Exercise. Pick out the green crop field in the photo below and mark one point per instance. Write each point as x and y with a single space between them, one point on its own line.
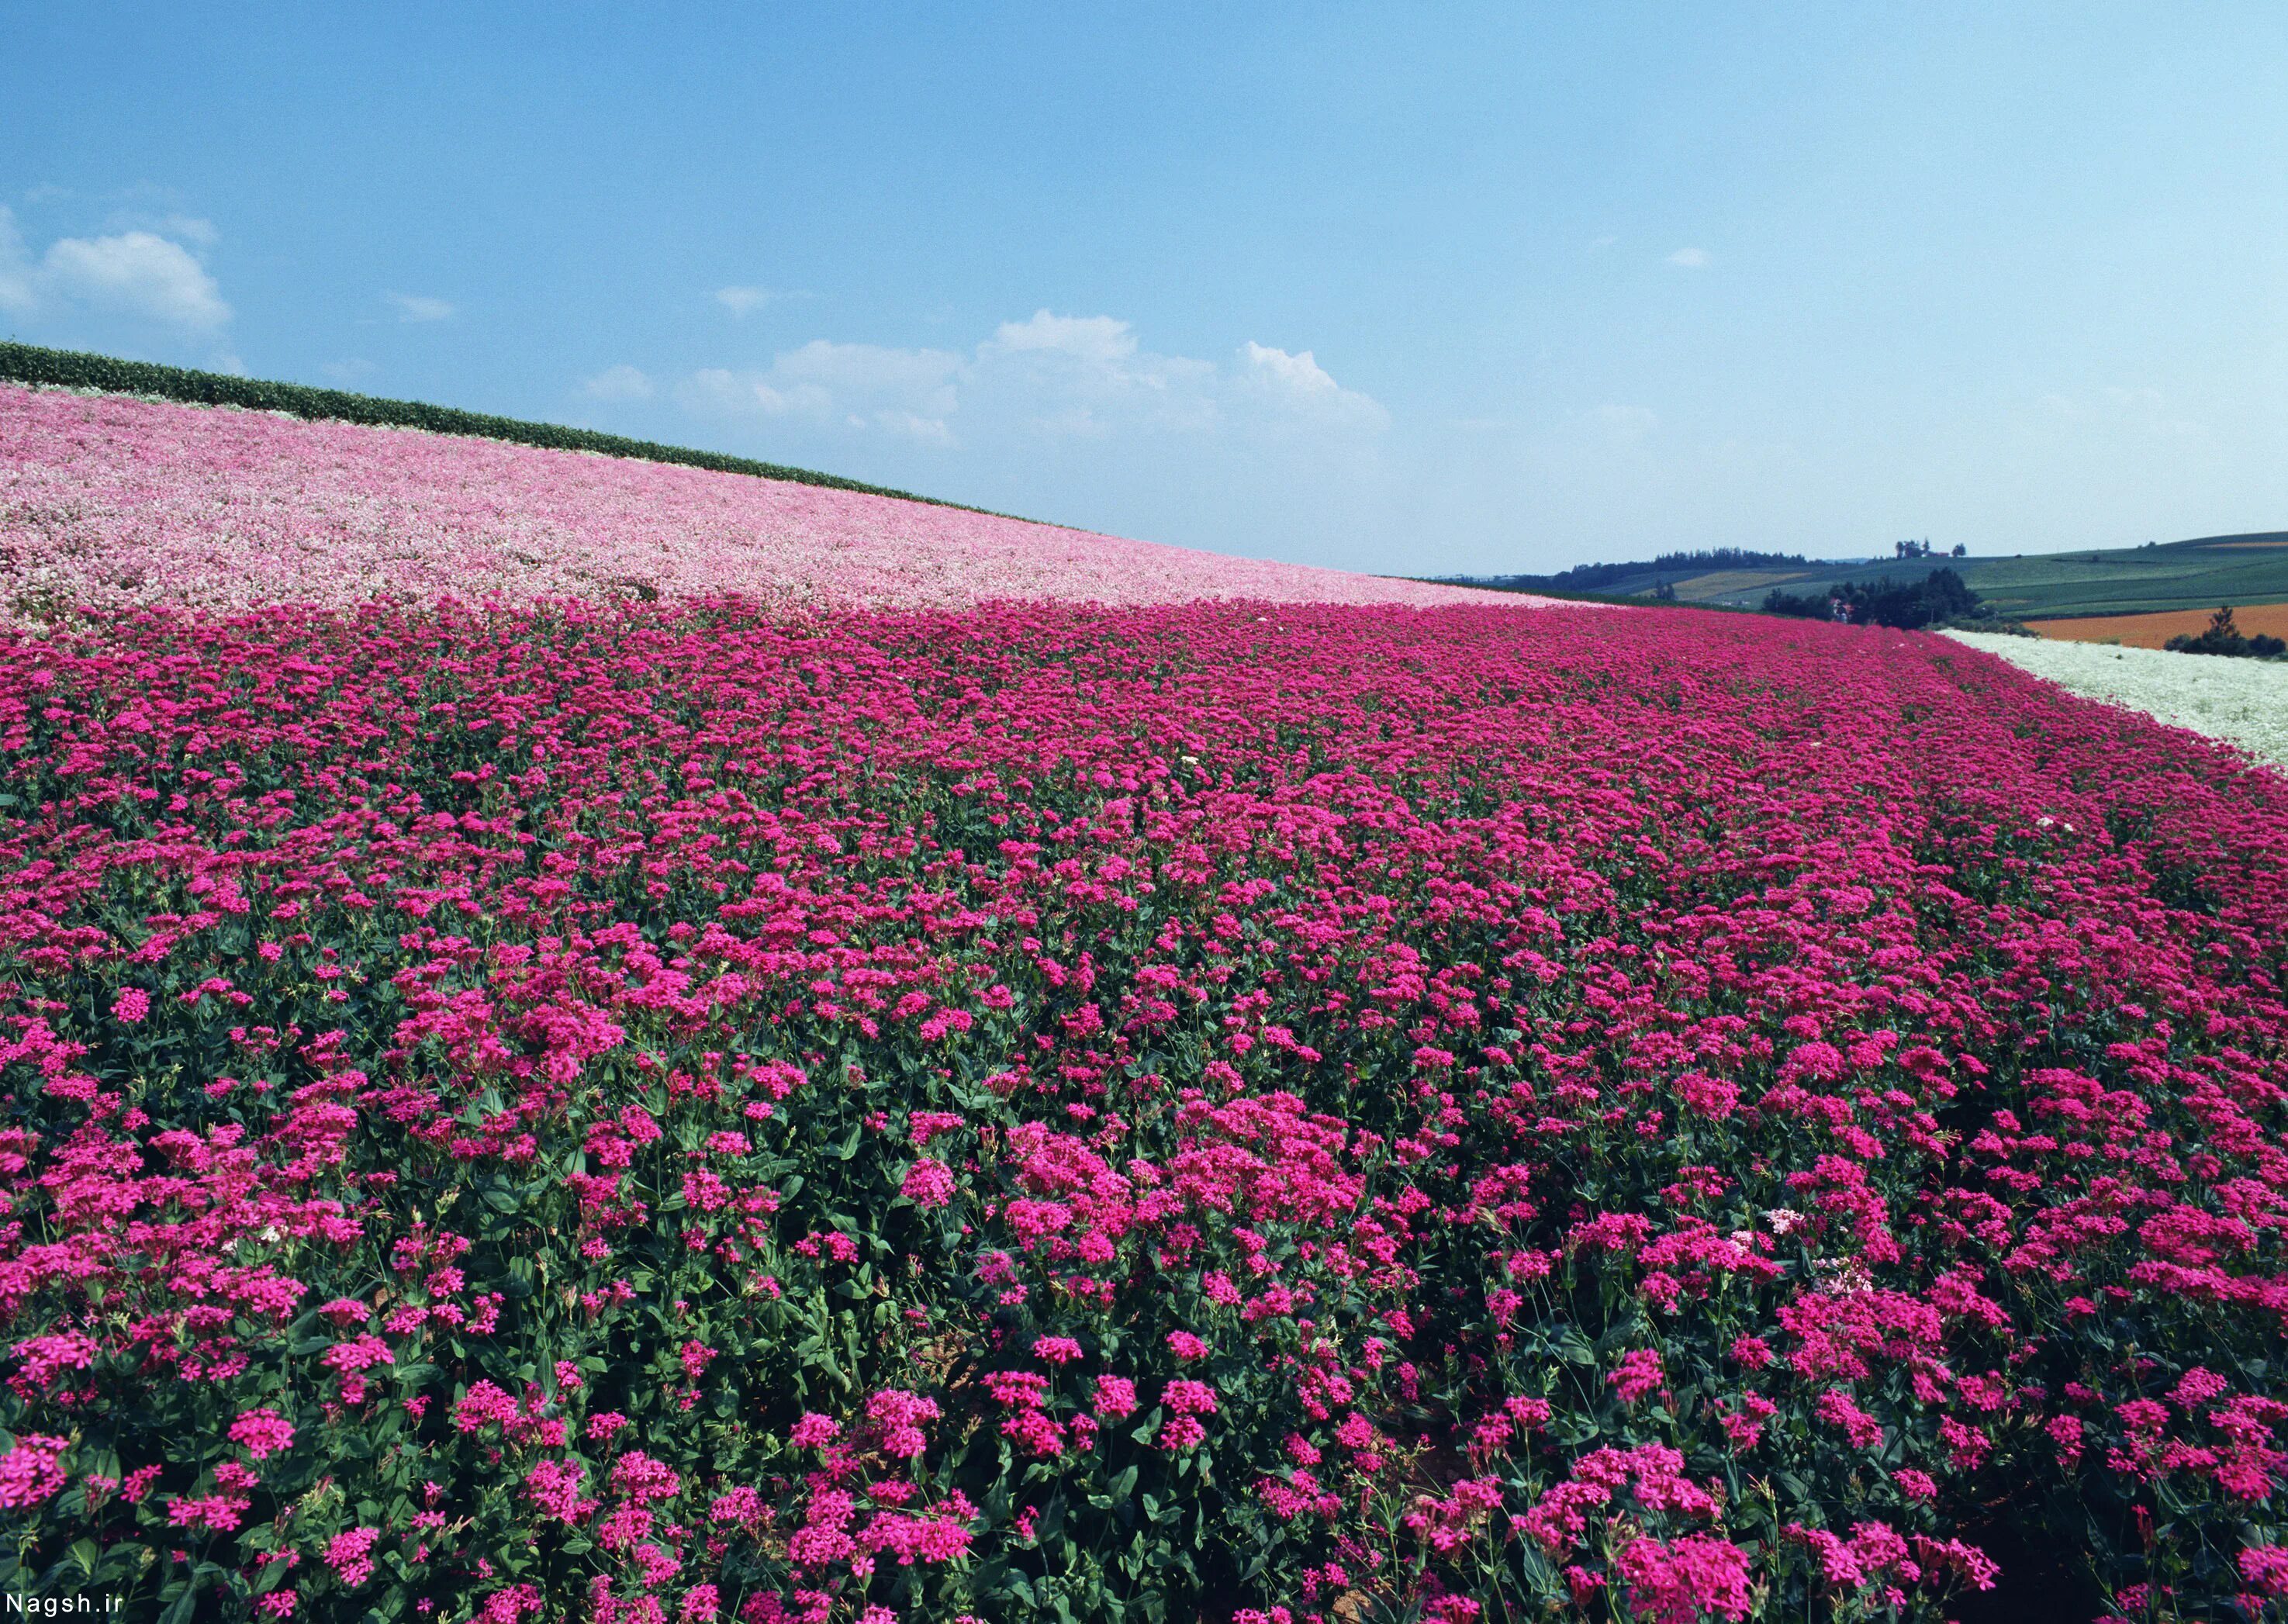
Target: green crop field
2193 574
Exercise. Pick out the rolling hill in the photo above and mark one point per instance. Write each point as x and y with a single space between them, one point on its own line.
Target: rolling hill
2199 573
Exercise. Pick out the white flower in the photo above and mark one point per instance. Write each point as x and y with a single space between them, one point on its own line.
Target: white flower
2243 703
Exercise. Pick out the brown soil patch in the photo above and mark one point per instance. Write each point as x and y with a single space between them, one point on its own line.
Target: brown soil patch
2153 631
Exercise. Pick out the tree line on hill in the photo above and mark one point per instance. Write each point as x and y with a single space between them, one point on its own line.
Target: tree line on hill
1941 599
1592 577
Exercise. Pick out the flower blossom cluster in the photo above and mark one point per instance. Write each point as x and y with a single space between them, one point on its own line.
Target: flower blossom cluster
110 501
666 1111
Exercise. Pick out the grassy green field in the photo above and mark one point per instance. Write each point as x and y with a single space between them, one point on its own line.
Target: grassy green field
2194 574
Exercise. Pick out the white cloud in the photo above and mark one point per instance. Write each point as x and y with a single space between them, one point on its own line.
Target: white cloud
191 229
1691 258
1050 377
621 383
418 307
1298 385
741 301
1099 339
140 272
901 392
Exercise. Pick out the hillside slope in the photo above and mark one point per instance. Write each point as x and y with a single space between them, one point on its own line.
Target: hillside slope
120 501
2199 573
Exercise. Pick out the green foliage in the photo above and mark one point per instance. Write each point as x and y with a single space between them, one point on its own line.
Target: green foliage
2223 636
1940 597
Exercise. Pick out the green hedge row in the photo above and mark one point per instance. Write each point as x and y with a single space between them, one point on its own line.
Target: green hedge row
26 363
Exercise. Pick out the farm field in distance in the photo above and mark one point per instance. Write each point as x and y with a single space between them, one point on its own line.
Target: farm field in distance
2154 630
611 1040
2174 576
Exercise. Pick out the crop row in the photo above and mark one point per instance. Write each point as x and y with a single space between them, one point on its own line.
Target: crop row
26 363
1303 1115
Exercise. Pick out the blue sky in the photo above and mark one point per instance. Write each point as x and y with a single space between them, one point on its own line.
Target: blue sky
1409 289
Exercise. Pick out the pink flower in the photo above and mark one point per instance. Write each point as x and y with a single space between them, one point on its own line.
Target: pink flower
554 1487
130 1005
930 1184
262 1432
1678 1581
1189 1398
29 1474
1639 1375
814 1430
348 1554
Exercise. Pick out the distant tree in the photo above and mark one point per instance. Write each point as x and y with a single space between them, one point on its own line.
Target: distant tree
2222 635
1798 606
1940 596
1595 577
1961 551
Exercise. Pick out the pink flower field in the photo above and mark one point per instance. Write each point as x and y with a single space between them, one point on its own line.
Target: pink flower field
114 502
959 1104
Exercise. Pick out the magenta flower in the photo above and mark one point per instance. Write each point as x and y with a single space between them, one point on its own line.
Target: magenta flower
262 1432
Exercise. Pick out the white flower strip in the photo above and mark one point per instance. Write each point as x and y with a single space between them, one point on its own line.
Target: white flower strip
2243 703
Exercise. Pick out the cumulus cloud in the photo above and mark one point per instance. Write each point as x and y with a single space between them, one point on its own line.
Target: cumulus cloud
140 272
621 383
135 272
1099 340
190 228
418 307
1297 386
1050 375
910 393
1691 258
741 301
